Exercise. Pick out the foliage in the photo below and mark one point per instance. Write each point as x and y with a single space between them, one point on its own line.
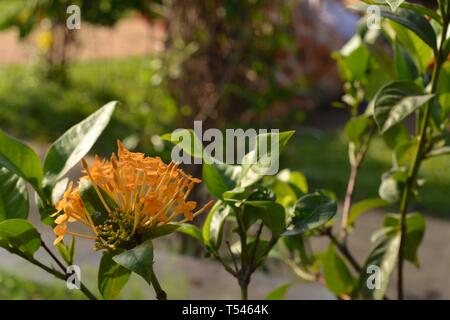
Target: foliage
394 83
391 75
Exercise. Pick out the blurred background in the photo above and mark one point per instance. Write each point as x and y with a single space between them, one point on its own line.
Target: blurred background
229 63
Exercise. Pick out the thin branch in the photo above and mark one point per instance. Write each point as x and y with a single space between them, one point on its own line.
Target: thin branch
342 247
352 183
233 258
50 253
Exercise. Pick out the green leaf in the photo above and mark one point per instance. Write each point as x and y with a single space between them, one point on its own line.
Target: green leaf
271 213
213 227
411 20
284 193
138 260
353 59
59 189
295 179
415 230
336 273
443 89
356 127
394 4
21 160
263 161
74 144
220 178
418 50
18 235
389 189
279 293
362 206
404 63
312 211
160 231
405 153
112 277
67 252
384 256
191 230
238 194
396 135
187 141
13 196
396 101
262 250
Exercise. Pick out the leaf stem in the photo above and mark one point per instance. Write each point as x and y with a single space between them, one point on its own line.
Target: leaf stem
160 293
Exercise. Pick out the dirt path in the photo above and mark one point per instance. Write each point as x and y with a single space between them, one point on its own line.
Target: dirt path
132 36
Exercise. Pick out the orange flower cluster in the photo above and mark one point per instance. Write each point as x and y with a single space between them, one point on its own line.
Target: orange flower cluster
138 193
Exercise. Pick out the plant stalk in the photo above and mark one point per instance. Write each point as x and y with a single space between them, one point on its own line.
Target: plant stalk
417 161
160 293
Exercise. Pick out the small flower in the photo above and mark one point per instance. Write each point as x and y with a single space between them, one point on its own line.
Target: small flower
137 194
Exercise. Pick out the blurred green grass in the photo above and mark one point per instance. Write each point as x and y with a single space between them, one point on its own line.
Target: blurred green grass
16 287
38 109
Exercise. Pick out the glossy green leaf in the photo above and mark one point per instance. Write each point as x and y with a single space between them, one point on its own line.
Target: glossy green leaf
411 20
295 179
13 196
356 127
443 89
396 101
404 63
271 213
284 193
363 206
353 59
18 235
67 252
138 260
213 227
394 4
220 178
20 159
419 51
312 211
187 141
264 159
389 189
415 231
160 231
75 143
191 230
405 152
382 258
279 293
336 273
112 277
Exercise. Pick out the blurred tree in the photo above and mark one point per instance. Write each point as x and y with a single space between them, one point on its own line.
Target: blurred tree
238 69
51 16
